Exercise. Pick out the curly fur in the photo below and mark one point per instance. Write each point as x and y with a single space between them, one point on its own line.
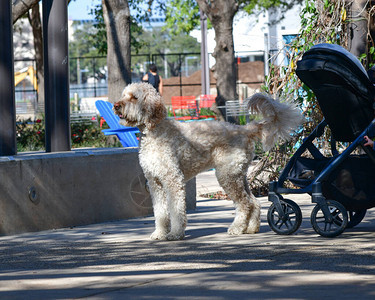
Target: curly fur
173 152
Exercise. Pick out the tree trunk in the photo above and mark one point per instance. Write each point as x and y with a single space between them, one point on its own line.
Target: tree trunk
221 14
358 27
35 22
116 15
21 7
371 42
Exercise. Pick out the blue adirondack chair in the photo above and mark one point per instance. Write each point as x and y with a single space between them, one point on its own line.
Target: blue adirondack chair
126 135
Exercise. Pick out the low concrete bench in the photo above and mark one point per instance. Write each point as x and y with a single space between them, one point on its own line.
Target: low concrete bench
41 191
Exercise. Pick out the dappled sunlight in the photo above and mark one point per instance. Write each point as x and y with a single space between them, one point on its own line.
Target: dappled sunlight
118 259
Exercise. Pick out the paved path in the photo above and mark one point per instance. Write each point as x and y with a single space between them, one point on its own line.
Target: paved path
118 261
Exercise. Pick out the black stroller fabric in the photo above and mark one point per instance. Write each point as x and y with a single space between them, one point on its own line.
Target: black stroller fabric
305 170
342 87
353 183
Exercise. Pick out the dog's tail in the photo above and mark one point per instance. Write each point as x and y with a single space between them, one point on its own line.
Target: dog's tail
279 119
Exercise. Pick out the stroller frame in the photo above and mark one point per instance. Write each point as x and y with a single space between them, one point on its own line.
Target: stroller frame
329 218
289 210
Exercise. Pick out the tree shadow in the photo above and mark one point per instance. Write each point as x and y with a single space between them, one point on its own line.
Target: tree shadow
117 259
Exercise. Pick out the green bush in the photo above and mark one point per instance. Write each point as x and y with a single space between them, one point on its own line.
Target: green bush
31 135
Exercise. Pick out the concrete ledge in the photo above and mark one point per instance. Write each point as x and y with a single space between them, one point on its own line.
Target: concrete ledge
40 191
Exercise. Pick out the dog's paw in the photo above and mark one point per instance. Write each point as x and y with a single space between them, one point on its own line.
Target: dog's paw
175 236
252 231
236 230
252 228
158 235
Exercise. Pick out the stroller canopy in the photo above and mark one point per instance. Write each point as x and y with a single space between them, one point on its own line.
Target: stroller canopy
343 89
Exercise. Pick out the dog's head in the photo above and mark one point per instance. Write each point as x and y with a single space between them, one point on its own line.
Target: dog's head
140 106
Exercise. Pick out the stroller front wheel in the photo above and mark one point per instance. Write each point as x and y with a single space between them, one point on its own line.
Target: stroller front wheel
333 227
287 224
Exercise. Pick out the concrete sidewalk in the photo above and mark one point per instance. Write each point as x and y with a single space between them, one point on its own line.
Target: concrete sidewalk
117 260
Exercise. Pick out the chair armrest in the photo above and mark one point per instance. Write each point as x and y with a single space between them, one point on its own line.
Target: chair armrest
119 130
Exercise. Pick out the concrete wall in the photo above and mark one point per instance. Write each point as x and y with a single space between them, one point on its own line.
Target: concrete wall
42 191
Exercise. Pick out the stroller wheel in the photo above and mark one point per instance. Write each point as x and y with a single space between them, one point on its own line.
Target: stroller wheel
329 228
291 220
355 217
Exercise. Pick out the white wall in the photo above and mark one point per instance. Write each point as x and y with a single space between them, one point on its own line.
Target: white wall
250 32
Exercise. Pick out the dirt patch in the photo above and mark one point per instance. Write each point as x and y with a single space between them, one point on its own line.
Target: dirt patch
215 195
220 195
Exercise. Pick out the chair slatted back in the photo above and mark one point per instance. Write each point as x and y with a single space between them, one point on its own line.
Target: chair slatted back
184 105
126 135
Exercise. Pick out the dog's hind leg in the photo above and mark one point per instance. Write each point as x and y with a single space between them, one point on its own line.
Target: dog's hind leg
254 221
247 209
177 204
160 206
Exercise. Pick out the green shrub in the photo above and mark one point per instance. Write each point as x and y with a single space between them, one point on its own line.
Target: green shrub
31 135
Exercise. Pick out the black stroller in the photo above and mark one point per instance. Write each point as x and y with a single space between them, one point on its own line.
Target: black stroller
342 185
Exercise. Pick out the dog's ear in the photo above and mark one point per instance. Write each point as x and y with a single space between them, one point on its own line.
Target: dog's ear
132 97
129 97
158 114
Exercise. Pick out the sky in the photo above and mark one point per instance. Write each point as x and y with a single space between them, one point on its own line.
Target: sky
80 9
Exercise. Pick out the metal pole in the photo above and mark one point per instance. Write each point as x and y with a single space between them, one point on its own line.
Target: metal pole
7 100
166 64
179 72
94 70
266 55
56 75
204 56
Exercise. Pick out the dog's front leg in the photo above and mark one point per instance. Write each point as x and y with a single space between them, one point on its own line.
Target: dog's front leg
177 203
160 206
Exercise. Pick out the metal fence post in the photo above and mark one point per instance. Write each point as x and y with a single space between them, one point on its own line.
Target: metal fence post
204 56
56 75
7 100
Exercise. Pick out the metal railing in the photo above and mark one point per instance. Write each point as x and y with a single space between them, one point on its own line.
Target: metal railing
88 76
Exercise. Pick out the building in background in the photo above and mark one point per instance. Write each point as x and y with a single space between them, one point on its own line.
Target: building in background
255 35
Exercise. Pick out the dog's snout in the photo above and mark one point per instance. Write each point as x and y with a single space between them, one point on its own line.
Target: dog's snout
116 106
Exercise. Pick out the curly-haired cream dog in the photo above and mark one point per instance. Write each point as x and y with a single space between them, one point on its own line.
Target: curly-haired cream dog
173 152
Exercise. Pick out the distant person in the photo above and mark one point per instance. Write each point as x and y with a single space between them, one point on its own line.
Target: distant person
153 78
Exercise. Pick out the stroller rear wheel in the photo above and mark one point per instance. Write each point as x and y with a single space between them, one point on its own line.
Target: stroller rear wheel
288 223
355 217
337 224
